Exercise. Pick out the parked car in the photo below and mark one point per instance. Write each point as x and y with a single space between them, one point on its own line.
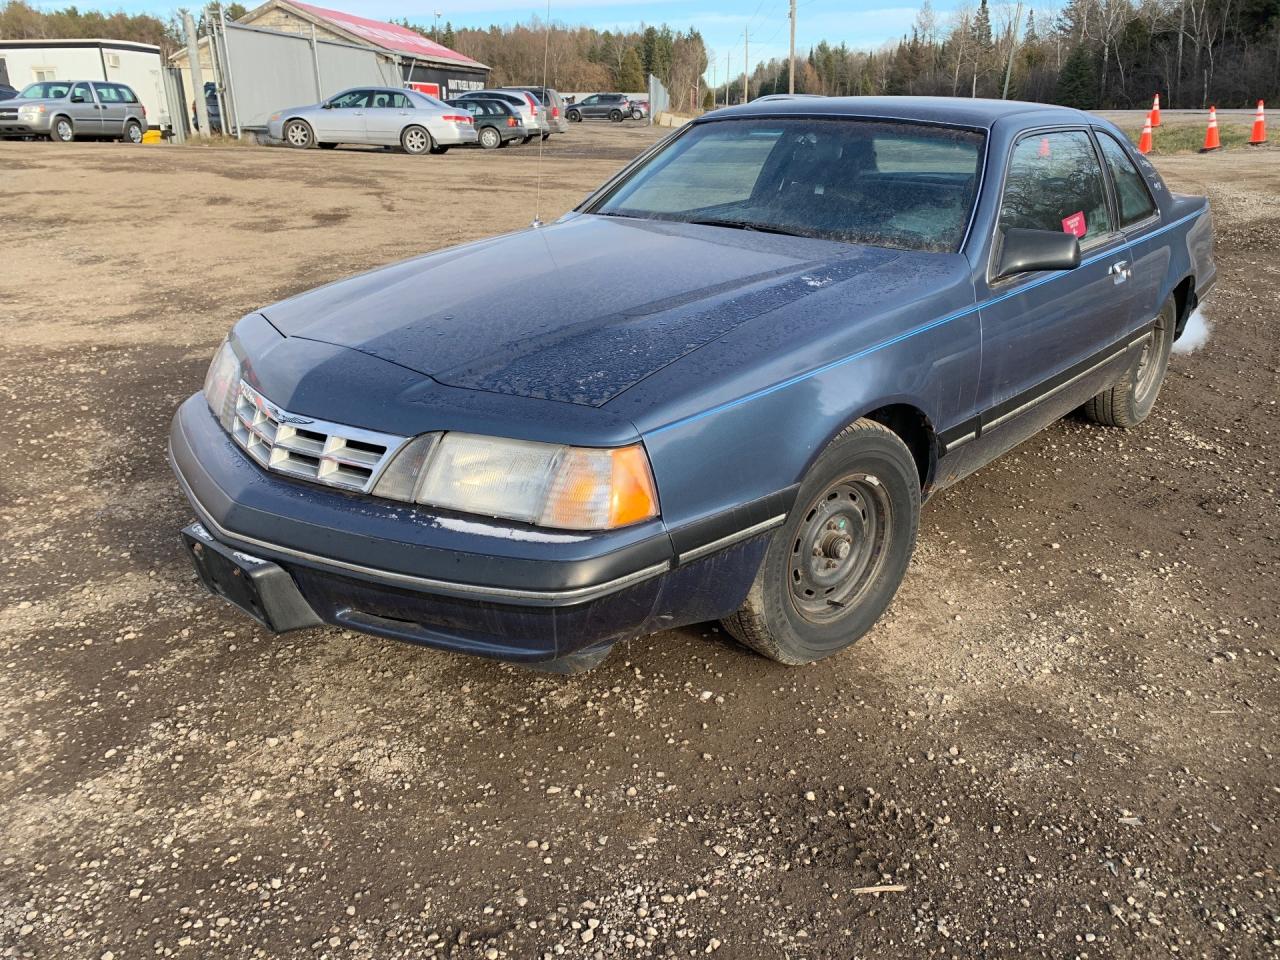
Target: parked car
212 105
868 301
553 107
7 92
601 106
525 103
386 116
496 122
71 110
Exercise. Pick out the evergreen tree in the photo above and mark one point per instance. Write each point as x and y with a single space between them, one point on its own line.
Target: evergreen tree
1031 36
1078 81
448 38
982 29
631 76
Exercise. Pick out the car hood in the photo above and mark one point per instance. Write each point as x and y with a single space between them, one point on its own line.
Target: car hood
576 312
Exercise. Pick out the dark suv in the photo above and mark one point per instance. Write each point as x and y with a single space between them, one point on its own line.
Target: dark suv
600 106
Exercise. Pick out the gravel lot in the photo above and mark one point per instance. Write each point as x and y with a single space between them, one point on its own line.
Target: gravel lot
1060 743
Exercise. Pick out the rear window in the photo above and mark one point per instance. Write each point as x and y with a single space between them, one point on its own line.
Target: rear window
903 185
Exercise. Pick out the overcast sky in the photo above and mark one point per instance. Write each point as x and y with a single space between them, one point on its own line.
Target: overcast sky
860 23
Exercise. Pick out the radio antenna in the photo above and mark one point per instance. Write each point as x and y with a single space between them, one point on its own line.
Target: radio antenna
546 55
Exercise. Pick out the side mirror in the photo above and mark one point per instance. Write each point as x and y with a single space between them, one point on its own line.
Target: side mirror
327 105
1022 251
77 98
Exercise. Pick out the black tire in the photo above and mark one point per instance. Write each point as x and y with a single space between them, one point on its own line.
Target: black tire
1128 401
615 116
574 116
415 140
546 137
299 135
327 146
132 132
528 138
62 130
490 138
821 585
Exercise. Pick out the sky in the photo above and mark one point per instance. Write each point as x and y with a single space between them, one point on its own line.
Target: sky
862 24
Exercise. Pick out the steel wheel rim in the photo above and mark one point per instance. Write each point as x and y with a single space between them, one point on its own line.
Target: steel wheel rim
415 141
297 135
64 130
839 548
1149 361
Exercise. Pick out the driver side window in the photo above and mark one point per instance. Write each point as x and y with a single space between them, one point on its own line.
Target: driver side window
80 93
1055 183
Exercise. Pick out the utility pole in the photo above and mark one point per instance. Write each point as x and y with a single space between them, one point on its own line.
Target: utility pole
791 73
197 75
728 75
1013 46
746 58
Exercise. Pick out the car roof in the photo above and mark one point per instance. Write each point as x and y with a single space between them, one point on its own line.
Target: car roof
959 111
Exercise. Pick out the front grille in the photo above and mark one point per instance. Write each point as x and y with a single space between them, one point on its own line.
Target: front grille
328 453
8 113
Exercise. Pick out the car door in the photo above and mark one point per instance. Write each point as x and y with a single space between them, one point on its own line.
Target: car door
590 106
111 108
1138 215
343 120
1049 339
82 106
386 114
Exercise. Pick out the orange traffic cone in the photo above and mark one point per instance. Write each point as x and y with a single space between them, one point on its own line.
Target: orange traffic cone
1144 141
1211 134
1155 111
1259 134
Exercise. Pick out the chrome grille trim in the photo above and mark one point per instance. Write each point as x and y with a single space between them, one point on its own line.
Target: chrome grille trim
331 454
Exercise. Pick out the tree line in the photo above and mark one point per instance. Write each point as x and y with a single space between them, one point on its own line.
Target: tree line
1091 54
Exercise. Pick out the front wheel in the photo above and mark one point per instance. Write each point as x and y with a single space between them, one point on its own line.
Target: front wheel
415 140
132 132
297 133
1128 401
490 138
574 116
62 131
834 566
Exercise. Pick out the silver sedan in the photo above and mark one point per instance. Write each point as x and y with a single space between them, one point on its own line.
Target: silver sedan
386 116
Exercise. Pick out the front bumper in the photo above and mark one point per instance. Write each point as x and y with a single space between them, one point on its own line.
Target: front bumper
459 584
14 127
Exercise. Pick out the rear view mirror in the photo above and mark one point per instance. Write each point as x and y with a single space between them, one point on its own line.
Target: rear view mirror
1026 250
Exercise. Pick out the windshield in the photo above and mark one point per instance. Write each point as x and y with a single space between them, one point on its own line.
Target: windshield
47 90
881 183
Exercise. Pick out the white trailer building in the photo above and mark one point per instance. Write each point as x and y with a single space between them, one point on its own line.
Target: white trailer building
120 61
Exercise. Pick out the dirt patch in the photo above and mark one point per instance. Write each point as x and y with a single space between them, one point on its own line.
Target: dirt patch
1059 743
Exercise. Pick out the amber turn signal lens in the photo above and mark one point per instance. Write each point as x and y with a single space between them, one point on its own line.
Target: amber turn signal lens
599 489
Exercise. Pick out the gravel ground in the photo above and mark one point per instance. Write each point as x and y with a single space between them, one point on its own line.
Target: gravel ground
1059 743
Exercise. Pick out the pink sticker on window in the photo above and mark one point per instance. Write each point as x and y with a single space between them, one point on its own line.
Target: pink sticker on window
1075 224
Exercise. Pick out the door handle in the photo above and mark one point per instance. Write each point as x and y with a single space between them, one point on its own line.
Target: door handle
1120 271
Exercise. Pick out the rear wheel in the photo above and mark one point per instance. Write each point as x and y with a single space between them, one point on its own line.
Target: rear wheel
834 566
62 131
490 138
297 134
132 132
616 116
1128 401
415 140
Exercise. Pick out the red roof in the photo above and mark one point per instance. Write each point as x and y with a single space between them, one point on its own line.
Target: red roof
388 35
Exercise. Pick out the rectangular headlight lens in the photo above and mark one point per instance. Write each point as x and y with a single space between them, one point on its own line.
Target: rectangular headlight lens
574 488
221 384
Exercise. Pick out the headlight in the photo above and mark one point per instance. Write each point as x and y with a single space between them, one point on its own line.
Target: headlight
551 485
222 384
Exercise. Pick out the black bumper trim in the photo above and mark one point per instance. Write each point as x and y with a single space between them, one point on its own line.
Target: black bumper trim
450 588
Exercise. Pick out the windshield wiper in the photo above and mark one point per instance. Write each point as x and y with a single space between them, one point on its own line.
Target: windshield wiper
745 225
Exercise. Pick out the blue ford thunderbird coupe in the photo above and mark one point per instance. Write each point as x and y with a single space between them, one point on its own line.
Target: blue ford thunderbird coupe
833 308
